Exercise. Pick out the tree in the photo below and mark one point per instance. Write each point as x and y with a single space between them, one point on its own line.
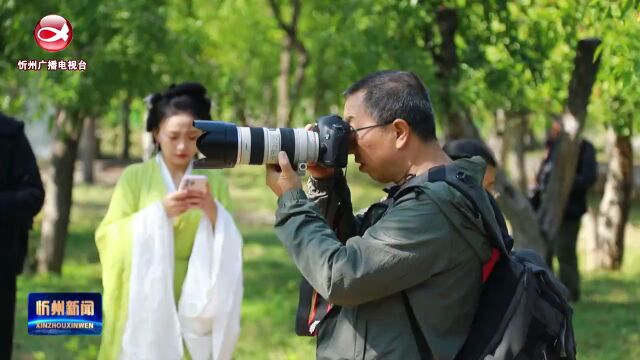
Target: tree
288 95
607 251
556 192
126 131
457 123
88 149
497 55
618 103
515 205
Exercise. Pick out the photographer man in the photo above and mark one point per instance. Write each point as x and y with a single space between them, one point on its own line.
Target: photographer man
403 279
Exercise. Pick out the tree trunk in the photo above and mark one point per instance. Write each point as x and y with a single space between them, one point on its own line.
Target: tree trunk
319 103
126 131
59 187
98 135
146 139
567 147
302 61
88 144
499 141
521 166
239 104
287 96
446 60
284 104
447 20
516 208
456 125
607 250
267 114
530 140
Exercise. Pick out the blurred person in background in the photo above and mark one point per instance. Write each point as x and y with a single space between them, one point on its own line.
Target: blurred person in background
21 198
171 257
468 148
563 245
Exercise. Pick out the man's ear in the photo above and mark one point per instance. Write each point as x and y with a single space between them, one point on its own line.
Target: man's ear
402 130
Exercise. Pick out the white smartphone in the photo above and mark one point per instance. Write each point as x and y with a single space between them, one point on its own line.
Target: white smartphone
194 182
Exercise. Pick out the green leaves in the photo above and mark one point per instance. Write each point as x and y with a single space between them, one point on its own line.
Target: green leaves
117 39
616 96
514 55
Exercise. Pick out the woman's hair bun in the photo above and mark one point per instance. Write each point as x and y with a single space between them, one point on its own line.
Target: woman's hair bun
188 88
154 99
188 97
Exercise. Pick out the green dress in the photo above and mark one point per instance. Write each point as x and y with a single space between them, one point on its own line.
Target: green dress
139 186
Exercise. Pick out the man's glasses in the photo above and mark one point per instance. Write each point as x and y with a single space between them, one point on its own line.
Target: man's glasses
354 130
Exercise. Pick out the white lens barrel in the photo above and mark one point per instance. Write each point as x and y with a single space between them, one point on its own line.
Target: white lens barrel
244 145
262 145
271 145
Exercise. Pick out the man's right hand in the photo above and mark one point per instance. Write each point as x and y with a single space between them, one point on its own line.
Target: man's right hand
317 171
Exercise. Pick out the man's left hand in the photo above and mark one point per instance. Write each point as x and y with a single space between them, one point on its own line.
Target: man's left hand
282 178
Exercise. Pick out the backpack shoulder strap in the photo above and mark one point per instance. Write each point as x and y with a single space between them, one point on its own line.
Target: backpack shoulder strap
493 222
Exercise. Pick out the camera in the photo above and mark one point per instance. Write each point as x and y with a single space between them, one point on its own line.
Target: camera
226 145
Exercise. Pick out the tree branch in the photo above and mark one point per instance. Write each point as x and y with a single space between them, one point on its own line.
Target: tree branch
275 8
296 14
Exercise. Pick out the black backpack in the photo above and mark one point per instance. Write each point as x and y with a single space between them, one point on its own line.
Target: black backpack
523 311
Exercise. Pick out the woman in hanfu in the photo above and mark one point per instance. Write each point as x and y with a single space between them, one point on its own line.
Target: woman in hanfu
171 258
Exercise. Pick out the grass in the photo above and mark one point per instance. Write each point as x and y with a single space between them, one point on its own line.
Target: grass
607 320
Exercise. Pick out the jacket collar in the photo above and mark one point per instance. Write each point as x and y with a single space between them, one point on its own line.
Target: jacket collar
474 167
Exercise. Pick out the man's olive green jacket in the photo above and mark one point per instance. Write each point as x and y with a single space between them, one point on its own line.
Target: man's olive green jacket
428 244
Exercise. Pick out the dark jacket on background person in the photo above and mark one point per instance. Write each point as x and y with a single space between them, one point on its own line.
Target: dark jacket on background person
428 244
586 175
21 193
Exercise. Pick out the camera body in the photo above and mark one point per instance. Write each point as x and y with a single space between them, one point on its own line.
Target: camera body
333 134
225 145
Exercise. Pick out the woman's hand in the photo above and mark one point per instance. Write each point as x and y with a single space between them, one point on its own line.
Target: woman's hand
203 201
175 203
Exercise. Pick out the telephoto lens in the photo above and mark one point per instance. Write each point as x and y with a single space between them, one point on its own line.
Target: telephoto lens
226 145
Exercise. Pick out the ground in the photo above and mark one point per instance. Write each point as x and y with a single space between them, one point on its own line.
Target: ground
606 321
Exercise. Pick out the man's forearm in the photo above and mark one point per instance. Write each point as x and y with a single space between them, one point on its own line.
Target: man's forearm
333 197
